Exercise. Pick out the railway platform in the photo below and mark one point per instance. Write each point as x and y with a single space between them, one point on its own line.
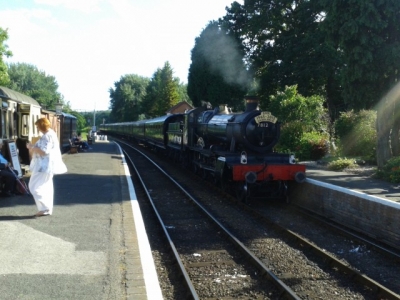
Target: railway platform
358 182
94 246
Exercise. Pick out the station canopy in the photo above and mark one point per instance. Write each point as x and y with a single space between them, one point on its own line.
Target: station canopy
9 94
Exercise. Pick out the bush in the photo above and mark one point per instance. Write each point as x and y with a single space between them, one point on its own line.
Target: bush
341 164
313 145
357 133
305 145
290 136
391 170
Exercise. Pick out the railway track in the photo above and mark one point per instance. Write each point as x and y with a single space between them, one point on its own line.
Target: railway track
269 247
211 265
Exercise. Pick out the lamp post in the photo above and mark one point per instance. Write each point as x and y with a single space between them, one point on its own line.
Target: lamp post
59 107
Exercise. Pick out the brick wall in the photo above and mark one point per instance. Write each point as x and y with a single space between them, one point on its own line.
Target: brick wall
373 216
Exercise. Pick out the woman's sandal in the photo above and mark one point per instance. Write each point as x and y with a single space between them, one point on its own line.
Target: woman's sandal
42 213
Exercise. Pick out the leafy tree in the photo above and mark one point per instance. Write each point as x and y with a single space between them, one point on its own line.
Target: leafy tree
368 34
4 78
285 45
162 93
81 121
217 73
357 133
182 92
126 98
28 80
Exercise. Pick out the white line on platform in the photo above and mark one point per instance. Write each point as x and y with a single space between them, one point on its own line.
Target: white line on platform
153 289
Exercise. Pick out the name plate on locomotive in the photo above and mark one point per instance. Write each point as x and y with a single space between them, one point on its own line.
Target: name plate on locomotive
265 116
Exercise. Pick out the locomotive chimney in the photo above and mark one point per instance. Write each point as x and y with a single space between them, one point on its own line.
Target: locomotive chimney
251 103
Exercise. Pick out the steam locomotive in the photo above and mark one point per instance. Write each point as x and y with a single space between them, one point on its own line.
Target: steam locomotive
235 150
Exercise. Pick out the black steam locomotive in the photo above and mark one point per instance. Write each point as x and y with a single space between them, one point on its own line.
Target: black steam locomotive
235 150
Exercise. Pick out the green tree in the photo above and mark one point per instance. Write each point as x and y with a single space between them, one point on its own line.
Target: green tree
217 73
182 92
368 34
4 78
357 133
285 45
81 121
126 98
162 92
29 80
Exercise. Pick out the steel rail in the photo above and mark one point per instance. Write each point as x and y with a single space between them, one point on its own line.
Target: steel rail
381 291
347 232
191 288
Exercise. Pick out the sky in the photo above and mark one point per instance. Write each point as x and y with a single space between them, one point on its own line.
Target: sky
88 45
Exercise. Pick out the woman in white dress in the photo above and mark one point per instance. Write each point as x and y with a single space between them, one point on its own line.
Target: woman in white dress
46 161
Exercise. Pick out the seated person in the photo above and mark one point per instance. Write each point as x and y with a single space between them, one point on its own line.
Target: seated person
78 141
7 177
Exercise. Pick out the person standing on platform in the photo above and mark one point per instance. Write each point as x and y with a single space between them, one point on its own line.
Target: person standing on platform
46 161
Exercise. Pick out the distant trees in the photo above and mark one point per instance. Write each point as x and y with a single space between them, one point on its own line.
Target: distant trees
126 98
162 93
80 121
29 80
135 97
4 78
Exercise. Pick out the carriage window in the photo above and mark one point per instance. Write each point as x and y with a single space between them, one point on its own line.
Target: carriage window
25 125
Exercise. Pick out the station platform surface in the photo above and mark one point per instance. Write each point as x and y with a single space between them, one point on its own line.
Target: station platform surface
94 245
362 183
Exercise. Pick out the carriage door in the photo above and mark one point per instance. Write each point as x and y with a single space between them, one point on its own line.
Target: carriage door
24 127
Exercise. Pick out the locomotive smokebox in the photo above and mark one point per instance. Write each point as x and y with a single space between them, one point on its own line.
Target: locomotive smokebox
251 103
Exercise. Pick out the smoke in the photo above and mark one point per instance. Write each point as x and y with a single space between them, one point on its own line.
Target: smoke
222 53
